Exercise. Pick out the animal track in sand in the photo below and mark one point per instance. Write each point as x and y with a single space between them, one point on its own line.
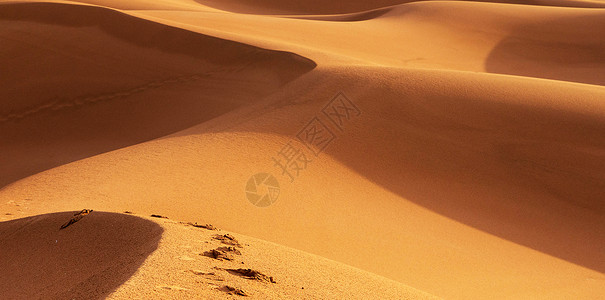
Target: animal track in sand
83 100
221 254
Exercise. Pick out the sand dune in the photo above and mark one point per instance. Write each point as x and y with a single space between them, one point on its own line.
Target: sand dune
471 164
78 93
488 185
86 260
466 36
333 7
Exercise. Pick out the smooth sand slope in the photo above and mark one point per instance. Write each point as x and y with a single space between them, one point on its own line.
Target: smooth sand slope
471 167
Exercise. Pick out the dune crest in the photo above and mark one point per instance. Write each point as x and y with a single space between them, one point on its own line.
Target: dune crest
317 7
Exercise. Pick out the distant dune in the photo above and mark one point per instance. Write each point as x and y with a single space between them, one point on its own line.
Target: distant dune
446 148
335 7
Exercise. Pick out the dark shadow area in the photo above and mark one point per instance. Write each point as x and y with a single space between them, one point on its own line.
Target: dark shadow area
569 49
143 33
87 260
85 80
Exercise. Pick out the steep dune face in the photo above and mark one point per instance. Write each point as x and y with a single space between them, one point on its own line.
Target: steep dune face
85 80
88 259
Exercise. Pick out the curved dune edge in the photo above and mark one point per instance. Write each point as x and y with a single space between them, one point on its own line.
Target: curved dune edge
87 260
533 41
97 69
317 7
189 273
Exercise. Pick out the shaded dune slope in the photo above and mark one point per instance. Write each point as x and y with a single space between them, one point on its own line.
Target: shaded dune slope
85 80
86 260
